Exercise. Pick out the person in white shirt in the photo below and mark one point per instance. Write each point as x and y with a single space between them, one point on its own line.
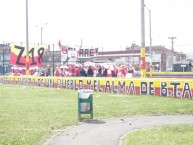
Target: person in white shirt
129 74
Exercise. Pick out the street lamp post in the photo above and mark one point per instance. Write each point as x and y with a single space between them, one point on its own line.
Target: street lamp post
42 32
150 40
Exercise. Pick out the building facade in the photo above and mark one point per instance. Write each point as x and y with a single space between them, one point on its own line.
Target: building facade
5 66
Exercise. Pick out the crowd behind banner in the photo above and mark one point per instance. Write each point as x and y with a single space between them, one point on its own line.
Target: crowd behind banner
82 70
96 71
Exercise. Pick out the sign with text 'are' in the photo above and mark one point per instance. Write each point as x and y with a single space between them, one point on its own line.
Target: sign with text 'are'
87 52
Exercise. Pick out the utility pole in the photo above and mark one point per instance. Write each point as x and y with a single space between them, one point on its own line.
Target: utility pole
41 29
133 49
143 69
102 54
27 42
81 44
3 58
172 51
53 60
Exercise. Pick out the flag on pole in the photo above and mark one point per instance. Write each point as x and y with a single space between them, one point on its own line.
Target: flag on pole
59 43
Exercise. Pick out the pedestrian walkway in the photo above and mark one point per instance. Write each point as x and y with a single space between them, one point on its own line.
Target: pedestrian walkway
109 131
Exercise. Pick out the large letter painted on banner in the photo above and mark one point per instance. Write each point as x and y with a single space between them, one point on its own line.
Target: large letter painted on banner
137 86
18 55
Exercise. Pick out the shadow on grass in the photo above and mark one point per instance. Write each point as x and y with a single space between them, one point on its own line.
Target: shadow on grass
92 121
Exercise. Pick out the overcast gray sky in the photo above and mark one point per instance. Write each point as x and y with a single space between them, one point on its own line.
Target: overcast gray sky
111 24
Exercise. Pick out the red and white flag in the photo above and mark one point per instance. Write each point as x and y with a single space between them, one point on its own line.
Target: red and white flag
64 49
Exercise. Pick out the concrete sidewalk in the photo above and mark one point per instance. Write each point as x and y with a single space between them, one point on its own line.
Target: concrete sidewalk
109 131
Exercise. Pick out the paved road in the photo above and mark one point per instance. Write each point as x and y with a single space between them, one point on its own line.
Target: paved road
109 131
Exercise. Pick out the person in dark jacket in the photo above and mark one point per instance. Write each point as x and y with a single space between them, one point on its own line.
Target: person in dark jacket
99 73
90 72
82 72
105 72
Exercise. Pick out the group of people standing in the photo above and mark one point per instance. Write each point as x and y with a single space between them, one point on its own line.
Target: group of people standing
95 71
99 70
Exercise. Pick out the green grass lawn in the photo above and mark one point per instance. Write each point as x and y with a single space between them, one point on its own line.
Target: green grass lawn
181 134
30 115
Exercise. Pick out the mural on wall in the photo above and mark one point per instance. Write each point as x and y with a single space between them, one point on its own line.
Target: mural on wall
153 87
